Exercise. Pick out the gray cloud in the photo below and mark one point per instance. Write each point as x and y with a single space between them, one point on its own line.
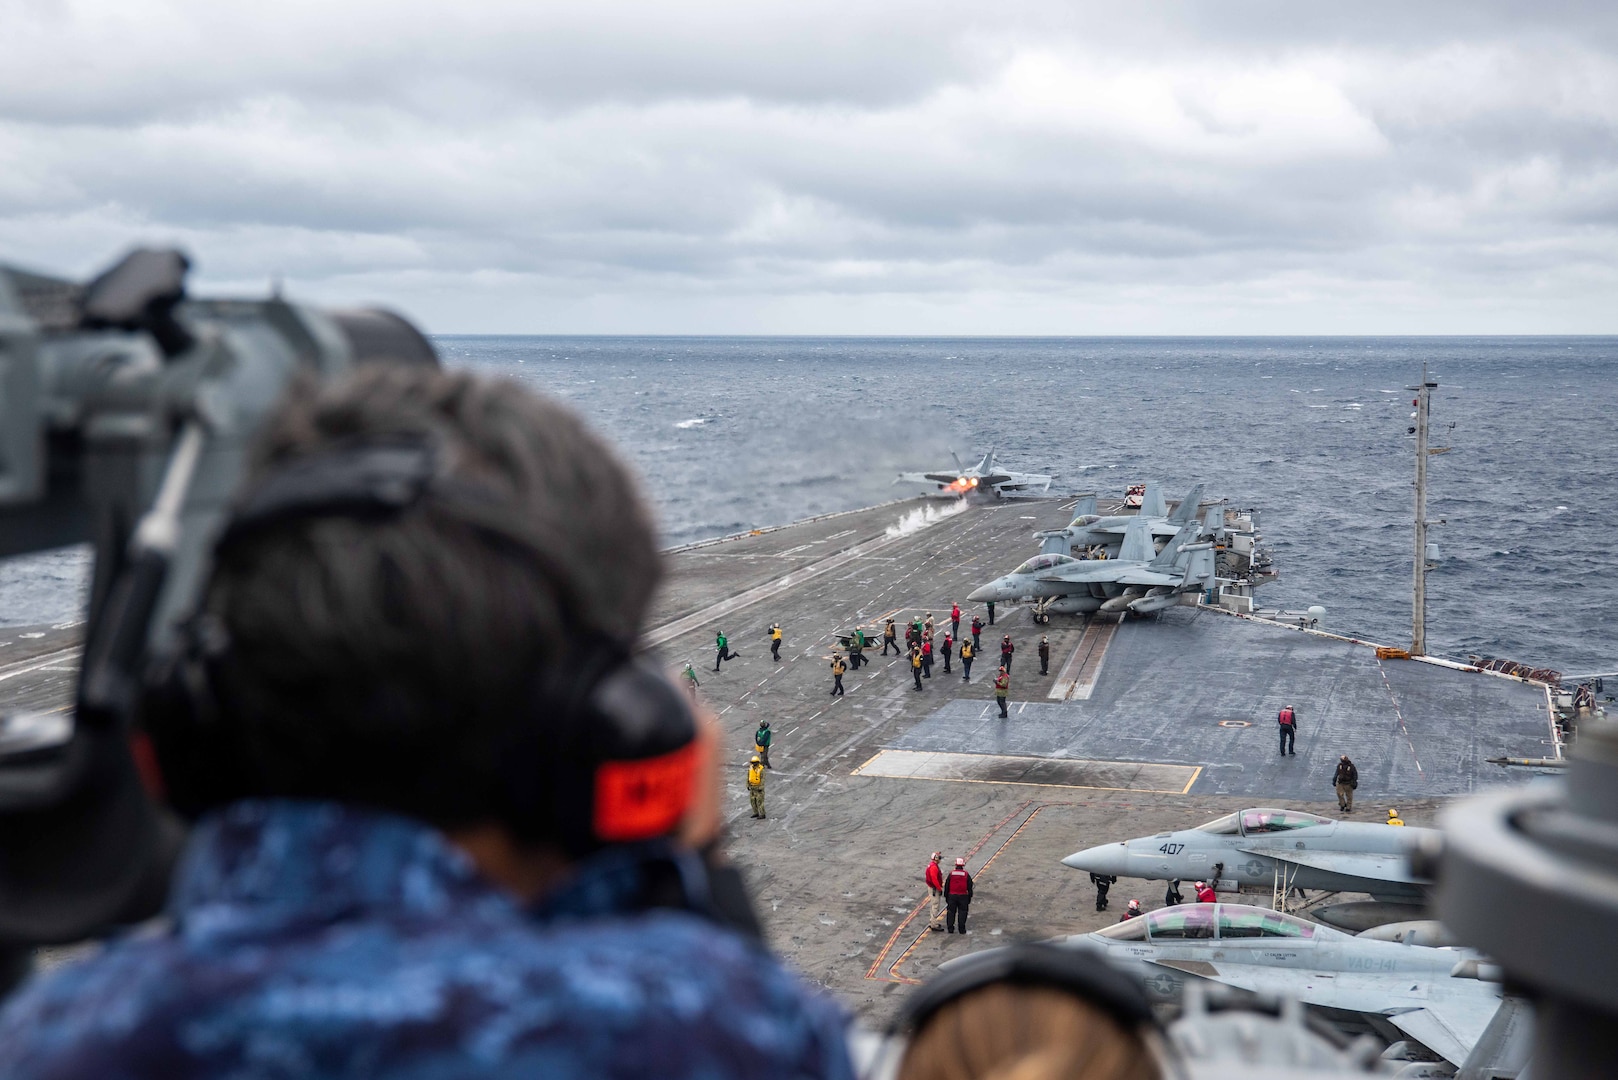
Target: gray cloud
837 167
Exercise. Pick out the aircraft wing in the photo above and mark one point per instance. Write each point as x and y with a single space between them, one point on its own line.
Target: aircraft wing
928 478
1154 578
1376 865
1449 1020
1020 480
1449 1028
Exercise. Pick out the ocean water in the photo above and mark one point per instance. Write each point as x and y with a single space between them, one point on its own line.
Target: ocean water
733 433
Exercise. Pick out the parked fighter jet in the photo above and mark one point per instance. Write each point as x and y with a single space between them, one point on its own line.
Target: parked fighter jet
1441 997
980 477
1267 848
1088 529
1138 580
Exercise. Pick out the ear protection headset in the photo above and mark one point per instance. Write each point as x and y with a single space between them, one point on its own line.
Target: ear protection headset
597 728
1084 975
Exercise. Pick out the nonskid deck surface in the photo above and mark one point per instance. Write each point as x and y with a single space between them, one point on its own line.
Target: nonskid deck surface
866 785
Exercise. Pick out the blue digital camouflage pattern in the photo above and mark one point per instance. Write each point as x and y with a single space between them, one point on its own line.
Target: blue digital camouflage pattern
313 940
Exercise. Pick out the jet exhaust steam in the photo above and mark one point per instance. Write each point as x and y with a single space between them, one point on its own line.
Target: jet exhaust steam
921 517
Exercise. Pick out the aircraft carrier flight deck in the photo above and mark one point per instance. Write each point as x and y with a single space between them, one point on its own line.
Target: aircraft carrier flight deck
1157 723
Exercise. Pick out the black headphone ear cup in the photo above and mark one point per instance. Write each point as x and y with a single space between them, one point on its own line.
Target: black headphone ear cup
607 755
181 716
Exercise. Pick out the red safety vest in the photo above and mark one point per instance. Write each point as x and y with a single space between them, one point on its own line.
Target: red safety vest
1205 895
1286 718
957 884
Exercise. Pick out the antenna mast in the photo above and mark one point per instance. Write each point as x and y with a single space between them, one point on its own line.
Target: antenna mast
1418 612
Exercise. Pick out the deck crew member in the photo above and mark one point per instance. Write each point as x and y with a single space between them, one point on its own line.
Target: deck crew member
890 639
967 653
1102 882
935 890
1345 780
1132 911
837 669
722 650
955 620
1002 687
1006 649
1287 720
1173 895
755 785
927 658
977 628
915 664
990 606
1205 893
856 649
927 627
761 742
957 896
690 675
1044 654
948 647
1393 816
775 642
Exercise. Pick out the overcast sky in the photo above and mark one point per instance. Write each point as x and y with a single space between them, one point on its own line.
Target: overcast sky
821 166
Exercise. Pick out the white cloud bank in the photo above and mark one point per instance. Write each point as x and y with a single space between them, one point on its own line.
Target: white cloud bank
926 168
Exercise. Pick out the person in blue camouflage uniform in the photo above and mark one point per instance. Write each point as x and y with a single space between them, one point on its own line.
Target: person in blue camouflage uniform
313 940
333 937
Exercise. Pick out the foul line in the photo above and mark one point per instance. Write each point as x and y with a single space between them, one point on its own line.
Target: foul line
871 972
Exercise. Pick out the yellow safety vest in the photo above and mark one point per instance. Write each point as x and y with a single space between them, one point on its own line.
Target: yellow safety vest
755 776
775 634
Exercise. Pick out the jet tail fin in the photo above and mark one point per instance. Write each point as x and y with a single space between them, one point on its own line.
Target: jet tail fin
1086 506
1171 556
1137 545
1187 510
1054 543
1152 503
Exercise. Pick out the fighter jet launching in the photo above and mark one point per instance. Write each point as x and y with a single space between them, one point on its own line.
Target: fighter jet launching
983 476
1442 997
1088 530
1139 580
1269 848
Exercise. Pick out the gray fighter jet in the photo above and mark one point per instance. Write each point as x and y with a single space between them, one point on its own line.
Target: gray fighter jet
1139 580
964 479
1442 997
1088 530
1266 848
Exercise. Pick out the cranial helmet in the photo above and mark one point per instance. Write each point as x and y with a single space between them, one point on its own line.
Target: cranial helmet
960 862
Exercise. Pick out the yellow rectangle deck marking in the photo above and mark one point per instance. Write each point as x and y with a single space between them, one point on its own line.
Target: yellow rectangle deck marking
1032 771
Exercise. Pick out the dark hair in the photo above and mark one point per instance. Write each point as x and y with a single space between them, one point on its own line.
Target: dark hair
389 660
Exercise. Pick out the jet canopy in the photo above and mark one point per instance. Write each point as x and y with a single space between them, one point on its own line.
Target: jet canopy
1207 921
1262 820
1043 562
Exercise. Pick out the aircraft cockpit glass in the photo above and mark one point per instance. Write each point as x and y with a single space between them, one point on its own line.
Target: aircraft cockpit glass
1181 921
1132 930
1262 924
1043 562
1268 821
1229 825
1084 521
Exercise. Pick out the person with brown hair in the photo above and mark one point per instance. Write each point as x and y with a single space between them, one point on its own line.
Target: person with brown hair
1030 1013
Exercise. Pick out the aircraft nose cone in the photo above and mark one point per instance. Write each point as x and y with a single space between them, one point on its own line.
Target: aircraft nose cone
1106 859
984 593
